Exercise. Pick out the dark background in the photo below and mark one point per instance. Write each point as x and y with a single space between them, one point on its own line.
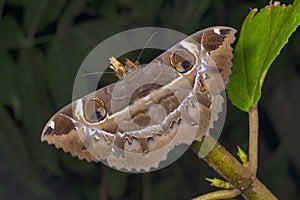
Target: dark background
42 44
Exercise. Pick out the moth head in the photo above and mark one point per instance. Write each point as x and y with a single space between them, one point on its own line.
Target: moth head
182 61
94 110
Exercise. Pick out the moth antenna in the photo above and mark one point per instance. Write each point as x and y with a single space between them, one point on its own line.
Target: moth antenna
95 73
150 38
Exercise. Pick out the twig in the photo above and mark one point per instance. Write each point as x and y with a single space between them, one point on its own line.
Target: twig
232 170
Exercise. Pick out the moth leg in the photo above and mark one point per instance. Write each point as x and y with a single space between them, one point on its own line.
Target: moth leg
131 65
121 70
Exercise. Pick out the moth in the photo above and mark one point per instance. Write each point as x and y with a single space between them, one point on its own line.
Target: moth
135 123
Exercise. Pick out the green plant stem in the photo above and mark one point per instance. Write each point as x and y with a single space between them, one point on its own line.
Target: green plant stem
232 170
221 194
253 139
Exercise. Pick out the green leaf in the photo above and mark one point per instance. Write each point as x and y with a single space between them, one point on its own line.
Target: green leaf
9 94
66 53
15 154
52 11
117 184
33 98
15 2
107 9
163 188
180 13
11 34
39 13
76 166
147 9
33 11
64 57
262 37
276 166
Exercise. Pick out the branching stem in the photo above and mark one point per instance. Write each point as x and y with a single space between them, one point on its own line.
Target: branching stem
241 177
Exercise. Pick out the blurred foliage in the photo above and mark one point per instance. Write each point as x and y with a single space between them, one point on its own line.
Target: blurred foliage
42 44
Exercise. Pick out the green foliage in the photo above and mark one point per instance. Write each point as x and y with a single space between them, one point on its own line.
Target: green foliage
261 39
11 34
277 165
18 159
116 184
167 186
7 73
